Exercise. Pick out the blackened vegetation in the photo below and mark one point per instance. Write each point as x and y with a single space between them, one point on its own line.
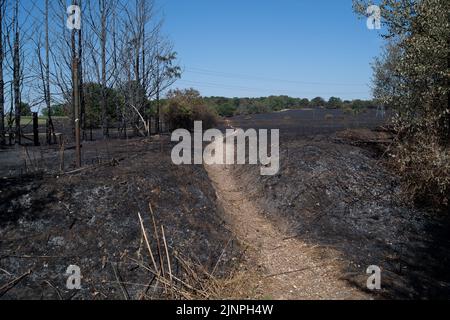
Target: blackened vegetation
16 200
335 192
90 219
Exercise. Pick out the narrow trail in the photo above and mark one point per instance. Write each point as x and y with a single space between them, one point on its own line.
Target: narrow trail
291 269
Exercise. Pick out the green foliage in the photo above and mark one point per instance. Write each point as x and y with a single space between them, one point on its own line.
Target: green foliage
318 102
58 110
303 103
93 98
412 77
334 102
183 107
228 107
25 109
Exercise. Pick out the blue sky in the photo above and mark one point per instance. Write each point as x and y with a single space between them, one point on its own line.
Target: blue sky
301 48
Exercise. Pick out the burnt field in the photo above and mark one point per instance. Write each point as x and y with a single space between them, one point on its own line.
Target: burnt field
295 123
334 196
336 192
89 218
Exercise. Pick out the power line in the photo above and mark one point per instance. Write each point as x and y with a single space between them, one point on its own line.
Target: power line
263 78
253 89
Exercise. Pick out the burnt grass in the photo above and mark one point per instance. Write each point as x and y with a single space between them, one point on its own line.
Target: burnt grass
90 219
333 191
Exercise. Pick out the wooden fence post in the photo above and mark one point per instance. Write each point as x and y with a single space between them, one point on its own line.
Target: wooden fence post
36 129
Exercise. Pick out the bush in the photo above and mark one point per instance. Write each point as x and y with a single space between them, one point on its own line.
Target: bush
412 78
424 164
183 107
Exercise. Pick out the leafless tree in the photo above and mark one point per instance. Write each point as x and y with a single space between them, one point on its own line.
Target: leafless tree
100 45
76 92
119 48
2 84
147 61
165 74
16 73
44 70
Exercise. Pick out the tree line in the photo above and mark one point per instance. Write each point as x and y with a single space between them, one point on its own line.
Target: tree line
222 106
235 106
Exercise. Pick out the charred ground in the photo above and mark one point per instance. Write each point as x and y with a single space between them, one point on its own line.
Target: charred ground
334 192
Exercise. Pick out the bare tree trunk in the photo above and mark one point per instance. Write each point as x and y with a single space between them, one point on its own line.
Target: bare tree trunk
51 128
157 120
76 106
16 74
144 76
103 53
2 84
76 98
119 113
11 109
81 82
158 81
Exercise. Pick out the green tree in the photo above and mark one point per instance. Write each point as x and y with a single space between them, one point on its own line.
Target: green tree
334 102
183 107
303 103
94 106
318 102
412 76
58 110
25 110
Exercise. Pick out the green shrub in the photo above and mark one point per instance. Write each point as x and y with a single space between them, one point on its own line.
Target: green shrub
424 165
183 107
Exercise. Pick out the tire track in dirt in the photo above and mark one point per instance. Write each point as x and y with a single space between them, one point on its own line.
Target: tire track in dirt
290 268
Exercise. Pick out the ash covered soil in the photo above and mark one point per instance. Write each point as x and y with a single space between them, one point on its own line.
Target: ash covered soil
90 219
334 200
335 192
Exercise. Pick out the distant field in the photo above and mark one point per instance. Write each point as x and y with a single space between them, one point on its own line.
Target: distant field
309 121
28 120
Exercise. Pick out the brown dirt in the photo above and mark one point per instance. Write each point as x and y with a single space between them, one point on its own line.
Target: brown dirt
289 268
342 210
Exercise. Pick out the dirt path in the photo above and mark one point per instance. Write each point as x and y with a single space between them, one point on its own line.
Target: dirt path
291 269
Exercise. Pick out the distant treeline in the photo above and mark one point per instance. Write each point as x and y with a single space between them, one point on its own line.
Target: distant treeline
222 106
234 106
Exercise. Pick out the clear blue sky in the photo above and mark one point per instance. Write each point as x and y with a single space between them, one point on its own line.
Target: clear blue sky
301 48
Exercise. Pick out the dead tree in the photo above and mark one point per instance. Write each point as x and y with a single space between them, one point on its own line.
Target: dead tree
166 73
47 93
61 55
2 84
103 16
16 75
76 95
81 80
147 61
100 16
